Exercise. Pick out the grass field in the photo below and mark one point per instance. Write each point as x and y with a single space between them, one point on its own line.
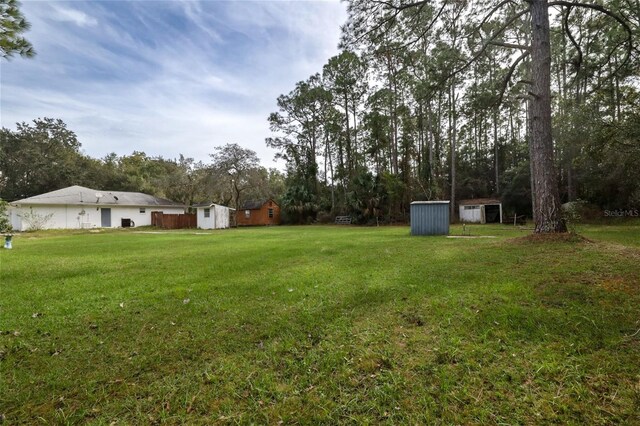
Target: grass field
321 325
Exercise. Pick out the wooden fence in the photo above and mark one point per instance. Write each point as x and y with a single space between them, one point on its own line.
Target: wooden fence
174 221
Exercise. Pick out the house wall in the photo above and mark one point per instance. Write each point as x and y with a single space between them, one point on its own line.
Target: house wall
69 217
471 215
259 217
218 217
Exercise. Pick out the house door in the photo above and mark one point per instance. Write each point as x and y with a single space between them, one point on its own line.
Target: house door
105 218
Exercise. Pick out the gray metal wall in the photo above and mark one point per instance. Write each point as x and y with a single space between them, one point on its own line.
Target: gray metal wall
429 219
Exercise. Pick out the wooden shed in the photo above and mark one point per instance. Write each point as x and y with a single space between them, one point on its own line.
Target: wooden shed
259 212
481 210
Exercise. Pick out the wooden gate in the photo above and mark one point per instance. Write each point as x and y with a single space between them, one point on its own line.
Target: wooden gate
173 221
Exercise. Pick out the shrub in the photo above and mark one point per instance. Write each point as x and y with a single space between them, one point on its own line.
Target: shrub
35 221
5 223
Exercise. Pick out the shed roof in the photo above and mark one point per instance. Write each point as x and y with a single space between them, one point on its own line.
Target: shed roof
210 204
431 202
480 201
256 204
79 195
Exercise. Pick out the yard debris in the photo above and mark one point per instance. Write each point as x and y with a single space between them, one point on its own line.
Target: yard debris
185 301
632 335
36 315
59 403
93 326
122 305
290 290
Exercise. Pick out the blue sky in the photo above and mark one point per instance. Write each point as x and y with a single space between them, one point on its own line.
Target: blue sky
166 77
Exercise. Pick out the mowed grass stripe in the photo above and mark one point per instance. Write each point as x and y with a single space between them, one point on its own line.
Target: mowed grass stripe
318 325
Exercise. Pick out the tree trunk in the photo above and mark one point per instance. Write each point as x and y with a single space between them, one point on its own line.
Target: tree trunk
453 124
496 148
348 135
548 214
333 181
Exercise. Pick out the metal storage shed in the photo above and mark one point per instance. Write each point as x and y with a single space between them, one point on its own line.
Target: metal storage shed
430 218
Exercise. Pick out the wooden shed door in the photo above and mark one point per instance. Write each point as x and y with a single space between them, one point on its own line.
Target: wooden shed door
105 218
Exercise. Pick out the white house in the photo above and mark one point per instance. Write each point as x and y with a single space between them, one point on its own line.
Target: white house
78 207
481 210
213 216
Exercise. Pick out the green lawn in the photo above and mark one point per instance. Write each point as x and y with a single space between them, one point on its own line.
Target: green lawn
320 325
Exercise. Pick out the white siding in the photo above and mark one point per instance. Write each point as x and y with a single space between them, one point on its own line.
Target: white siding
476 214
16 222
471 215
218 217
70 217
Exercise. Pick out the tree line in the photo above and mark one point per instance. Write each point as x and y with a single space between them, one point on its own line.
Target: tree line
533 101
45 155
449 100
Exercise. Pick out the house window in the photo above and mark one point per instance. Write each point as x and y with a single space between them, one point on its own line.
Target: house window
207 212
143 210
270 213
471 207
247 214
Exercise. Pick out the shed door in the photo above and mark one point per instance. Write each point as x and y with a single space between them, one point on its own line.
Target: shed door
105 218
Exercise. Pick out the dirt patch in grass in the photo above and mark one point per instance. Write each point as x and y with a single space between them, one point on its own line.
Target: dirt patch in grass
620 250
628 285
551 238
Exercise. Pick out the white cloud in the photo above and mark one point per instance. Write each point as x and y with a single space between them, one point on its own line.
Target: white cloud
77 17
167 78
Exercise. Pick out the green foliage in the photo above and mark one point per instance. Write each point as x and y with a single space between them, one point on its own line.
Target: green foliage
45 156
236 171
571 215
5 223
12 24
414 102
320 325
39 157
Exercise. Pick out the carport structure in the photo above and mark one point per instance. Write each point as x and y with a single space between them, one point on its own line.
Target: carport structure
481 210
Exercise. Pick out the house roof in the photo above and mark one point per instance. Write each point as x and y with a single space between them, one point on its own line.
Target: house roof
479 201
79 195
256 204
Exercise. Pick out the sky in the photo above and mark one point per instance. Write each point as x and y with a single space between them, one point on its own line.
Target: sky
166 77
